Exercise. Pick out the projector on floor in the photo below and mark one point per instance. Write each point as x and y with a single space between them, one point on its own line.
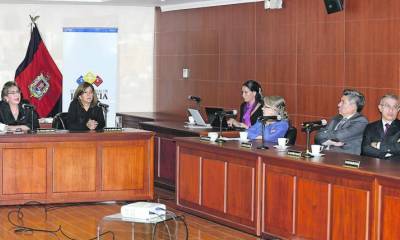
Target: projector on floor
143 210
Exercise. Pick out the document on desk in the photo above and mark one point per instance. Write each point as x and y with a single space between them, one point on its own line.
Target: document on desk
197 126
230 139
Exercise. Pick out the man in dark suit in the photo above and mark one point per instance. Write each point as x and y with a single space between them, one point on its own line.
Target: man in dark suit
345 131
381 138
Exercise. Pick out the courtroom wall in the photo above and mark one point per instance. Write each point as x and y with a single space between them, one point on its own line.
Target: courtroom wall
299 52
135 42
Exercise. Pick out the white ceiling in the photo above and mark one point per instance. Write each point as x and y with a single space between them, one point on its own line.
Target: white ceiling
166 5
145 3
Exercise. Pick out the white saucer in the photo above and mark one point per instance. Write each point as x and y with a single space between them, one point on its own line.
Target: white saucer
317 155
279 148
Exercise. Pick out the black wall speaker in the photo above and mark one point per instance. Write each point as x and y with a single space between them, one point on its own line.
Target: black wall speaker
333 6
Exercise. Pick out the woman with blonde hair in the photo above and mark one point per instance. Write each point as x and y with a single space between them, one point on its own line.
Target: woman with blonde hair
273 106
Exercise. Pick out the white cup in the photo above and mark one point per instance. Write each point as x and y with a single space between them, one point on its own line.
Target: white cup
213 136
118 121
3 127
282 142
316 149
191 120
243 136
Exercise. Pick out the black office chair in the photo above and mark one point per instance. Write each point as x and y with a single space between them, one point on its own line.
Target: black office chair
60 121
291 134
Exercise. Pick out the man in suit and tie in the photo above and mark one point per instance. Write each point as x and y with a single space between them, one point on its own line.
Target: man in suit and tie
381 138
344 132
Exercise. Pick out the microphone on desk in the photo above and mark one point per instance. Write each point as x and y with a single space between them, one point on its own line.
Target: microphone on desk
229 113
26 105
321 122
103 105
194 98
267 118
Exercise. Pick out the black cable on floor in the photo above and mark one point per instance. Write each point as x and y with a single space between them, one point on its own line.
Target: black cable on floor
20 228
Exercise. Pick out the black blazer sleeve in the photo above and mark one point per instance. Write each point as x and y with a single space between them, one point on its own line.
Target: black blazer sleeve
96 113
75 121
371 134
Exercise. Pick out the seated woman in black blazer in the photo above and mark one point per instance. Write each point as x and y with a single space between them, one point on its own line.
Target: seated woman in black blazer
83 112
251 108
11 111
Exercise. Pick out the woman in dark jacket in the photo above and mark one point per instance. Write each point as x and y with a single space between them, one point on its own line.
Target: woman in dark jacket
251 108
84 113
12 112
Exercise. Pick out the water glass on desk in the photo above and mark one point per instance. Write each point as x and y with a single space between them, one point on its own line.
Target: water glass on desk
118 121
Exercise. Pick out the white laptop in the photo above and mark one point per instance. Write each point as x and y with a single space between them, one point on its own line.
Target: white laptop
198 119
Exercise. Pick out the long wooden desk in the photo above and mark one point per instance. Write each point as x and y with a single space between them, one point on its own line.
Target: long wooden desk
59 167
267 193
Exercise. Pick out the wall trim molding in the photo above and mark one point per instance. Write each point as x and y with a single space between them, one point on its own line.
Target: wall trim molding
209 3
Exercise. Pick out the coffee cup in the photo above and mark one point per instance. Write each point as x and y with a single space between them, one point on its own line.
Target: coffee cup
282 142
243 136
213 136
191 120
316 149
3 127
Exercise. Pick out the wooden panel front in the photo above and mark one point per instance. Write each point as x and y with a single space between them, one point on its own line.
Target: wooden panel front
312 209
350 213
123 165
189 174
166 160
389 218
74 167
24 170
241 179
278 203
213 184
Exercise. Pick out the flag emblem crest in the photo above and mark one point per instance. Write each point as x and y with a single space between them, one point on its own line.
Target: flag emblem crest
39 86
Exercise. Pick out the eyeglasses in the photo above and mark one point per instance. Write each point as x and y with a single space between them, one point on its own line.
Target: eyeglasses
387 106
14 92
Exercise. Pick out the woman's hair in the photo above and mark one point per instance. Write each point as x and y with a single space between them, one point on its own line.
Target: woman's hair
254 86
81 89
6 87
278 103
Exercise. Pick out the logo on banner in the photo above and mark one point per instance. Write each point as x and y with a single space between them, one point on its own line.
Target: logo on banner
39 86
91 78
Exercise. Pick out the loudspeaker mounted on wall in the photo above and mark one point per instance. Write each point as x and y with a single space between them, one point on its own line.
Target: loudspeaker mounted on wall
273 4
333 6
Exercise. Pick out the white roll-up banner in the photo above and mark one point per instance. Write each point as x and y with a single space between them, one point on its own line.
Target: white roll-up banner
90 54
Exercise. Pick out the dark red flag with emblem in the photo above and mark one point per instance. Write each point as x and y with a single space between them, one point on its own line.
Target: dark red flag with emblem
39 78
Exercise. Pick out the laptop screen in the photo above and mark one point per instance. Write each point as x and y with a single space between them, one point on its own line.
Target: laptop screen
198 119
214 118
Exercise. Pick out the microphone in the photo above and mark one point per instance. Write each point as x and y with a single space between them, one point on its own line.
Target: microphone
103 105
227 113
321 122
26 105
194 98
266 118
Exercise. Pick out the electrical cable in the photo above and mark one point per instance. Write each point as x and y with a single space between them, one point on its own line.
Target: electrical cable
20 228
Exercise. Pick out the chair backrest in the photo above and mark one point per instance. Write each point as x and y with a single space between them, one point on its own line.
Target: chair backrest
60 121
291 134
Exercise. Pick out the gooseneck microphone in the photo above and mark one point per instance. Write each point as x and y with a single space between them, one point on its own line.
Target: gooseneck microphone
26 105
321 122
227 113
194 98
103 105
267 118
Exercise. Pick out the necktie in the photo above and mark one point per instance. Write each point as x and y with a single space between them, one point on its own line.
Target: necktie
340 124
387 125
